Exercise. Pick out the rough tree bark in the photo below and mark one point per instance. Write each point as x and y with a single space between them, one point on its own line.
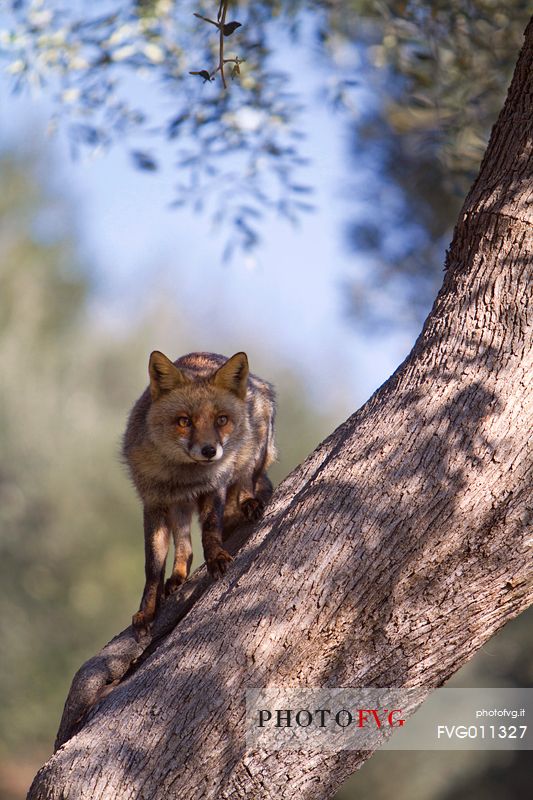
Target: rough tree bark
387 559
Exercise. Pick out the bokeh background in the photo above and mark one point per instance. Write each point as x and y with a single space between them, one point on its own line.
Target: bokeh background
179 231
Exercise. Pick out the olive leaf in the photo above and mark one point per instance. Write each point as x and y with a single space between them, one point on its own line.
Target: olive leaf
203 73
230 27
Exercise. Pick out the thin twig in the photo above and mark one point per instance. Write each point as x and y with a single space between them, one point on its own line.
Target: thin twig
205 19
222 9
220 24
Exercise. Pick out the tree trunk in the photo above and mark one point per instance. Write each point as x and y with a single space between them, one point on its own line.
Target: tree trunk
386 559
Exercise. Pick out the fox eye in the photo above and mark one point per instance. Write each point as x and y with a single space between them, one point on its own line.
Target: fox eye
222 420
184 422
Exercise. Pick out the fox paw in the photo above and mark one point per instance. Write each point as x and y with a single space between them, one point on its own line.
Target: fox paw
173 584
252 509
142 624
218 564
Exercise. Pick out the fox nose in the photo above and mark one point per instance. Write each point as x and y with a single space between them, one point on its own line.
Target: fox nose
208 451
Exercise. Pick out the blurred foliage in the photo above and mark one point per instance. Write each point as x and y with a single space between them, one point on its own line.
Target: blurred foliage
441 70
420 84
71 550
438 74
234 152
66 519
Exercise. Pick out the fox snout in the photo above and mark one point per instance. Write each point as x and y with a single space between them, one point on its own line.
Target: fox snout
206 452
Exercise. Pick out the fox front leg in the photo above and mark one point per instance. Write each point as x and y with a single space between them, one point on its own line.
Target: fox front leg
254 496
211 511
156 538
179 518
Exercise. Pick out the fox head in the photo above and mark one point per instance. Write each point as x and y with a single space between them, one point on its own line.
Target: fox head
197 419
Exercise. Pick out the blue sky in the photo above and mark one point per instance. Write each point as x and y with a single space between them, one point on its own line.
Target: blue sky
288 294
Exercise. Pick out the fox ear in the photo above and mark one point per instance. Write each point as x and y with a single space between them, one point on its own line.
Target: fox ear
164 376
233 375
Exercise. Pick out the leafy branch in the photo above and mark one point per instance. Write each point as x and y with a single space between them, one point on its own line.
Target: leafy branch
224 29
237 154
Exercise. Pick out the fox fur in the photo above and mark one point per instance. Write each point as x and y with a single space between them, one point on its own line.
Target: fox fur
199 439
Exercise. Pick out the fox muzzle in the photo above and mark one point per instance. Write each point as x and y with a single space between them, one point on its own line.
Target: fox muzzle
206 453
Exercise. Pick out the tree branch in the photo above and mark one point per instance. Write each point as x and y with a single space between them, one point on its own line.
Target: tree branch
224 29
222 20
98 676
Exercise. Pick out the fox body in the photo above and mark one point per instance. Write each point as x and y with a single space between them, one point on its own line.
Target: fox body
200 438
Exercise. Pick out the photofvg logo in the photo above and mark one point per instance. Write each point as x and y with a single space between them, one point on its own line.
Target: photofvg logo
303 717
327 719
359 719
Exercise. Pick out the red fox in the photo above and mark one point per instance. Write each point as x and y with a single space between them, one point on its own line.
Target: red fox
200 438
